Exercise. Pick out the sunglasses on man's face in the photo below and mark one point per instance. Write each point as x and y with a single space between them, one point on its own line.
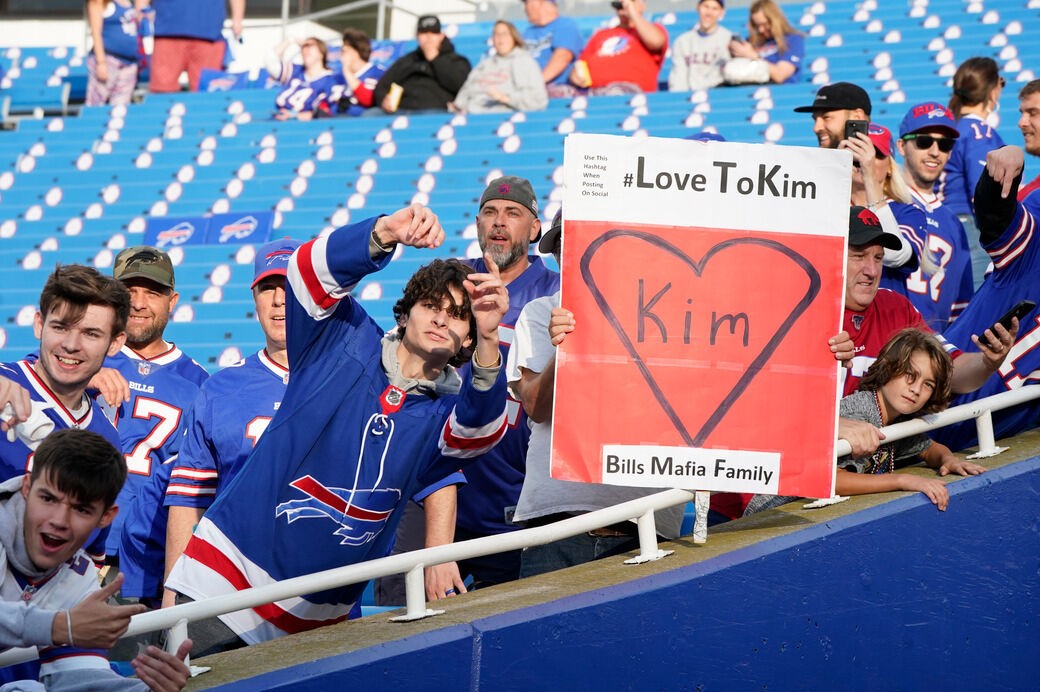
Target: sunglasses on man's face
925 142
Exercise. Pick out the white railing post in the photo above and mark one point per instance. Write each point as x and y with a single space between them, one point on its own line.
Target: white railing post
176 636
415 596
984 431
701 503
648 550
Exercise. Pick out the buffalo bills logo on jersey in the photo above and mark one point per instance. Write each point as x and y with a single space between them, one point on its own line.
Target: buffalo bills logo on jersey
144 368
360 514
615 45
239 229
857 321
178 235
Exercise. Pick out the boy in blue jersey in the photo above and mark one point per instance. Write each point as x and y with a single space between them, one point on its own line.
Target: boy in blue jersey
81 320
149 384
49 595
230 413
1007 232
507 224
367 419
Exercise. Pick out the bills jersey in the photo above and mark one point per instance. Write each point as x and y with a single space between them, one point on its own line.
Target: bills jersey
487 502
871 329
301 94
937 234
16 456
344 101
956 185
64 588
1016 276
150 425
232 411
324 485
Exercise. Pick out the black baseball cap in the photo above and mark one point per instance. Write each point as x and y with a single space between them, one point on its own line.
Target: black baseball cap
428 23
838 96
545 245
865 229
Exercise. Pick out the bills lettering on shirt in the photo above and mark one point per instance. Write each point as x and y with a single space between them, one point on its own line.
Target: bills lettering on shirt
324 485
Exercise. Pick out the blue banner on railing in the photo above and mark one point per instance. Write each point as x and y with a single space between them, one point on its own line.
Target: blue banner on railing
218 229
168 232
234 229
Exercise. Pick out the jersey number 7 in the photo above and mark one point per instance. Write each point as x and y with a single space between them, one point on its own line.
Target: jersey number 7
167 417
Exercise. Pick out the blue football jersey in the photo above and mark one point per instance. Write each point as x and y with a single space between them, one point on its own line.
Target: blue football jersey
933 231
487 502
230 414
16 457
1016 276
344 101
303 95
956 185
325 485
150 425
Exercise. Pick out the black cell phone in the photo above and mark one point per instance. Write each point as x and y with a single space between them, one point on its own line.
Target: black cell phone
1020 310
616 5
854 126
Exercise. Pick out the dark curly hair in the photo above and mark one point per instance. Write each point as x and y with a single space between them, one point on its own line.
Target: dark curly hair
894 361
434 282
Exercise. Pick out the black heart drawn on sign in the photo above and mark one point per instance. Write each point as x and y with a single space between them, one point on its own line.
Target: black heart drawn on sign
698 266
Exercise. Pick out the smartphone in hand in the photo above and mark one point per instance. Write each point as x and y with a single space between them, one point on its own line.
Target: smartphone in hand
1020 310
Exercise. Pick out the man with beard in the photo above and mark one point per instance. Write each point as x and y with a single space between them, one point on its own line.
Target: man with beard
149 384
507 224
81 320
833 106
1029 124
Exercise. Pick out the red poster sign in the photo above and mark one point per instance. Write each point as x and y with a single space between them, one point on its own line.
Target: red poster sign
699 358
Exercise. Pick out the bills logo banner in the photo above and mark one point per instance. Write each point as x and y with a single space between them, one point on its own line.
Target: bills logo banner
705 278
167 232
234 229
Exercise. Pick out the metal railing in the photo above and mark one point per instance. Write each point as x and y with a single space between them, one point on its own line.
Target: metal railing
412 563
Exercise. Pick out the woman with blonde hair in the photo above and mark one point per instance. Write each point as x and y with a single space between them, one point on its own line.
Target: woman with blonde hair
772 40
506 80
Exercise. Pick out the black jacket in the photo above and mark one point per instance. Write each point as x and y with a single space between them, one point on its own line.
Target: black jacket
427 85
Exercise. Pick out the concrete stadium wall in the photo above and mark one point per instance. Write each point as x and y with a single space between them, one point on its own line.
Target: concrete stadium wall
893 596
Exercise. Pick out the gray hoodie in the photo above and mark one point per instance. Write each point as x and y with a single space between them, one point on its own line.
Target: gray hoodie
515 74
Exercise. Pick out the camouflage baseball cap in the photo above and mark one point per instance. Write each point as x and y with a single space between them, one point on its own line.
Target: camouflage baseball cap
145 262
